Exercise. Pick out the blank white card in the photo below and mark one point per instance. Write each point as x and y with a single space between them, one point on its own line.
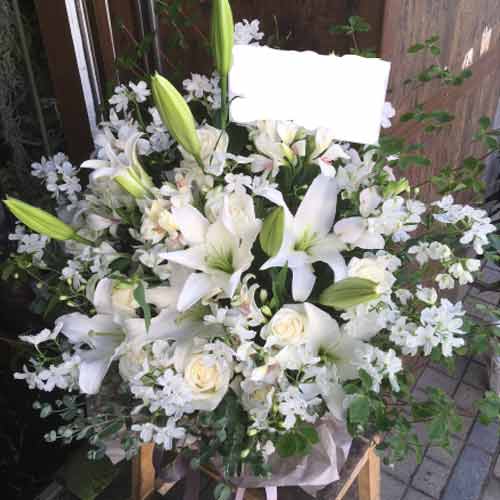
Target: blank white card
345 94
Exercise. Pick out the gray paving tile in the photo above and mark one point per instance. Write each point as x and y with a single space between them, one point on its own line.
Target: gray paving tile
460 365
492 490
416 495
391 488
444 457
485 296
489 274
431 478
435 378
496 470
476 375
475 309
484 436
468 476
466 426
402 470
466 397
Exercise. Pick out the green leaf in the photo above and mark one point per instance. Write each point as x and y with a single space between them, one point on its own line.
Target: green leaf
310 433
416 48
279 288
271 234
359 410
286 445
140 297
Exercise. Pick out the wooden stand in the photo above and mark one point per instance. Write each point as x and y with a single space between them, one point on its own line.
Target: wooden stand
362 464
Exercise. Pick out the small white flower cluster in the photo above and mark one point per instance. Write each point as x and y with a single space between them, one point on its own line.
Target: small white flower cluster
31 244
207 89
60 177
248 32
62 376
459 269
123 95
478 224
203 89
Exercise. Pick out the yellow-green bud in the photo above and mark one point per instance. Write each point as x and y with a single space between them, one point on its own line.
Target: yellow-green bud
349 292
42 222
266 311
393 188
176 115
271 234
222 36
135 181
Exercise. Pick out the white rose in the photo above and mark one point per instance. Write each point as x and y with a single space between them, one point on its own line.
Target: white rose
374 269
131 363
239 215
287 327
115 298
207 374
122 300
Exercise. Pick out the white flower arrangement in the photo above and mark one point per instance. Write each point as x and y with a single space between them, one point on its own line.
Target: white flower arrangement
241 293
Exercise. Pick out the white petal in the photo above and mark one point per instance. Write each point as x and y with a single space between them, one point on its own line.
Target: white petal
76 326
194 257
196 286
321 327
350 229
192 224
371 241
327 251
369 200
303 280
334 396
317 210
93 369
102 296
162 296
95 164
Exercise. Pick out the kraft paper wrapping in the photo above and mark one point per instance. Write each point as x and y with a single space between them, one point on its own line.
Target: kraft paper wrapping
312 472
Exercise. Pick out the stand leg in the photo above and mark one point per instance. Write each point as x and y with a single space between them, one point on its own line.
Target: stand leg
369 478
143 473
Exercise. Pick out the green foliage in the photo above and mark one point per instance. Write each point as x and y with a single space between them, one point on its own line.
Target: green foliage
433 120
355 24
489 408
298 441
279 279
227 425
140 297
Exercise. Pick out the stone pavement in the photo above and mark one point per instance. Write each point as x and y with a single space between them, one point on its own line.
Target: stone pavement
472 471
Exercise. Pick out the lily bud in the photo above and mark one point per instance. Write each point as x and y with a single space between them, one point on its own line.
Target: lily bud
349 292
42 222
135 181
271 234
393 188
222 36
176 115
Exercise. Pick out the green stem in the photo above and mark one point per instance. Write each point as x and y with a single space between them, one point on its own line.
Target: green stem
224 102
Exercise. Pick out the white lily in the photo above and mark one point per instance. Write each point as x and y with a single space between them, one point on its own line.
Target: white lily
326 151
108 340
307 238
117 300
219 255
